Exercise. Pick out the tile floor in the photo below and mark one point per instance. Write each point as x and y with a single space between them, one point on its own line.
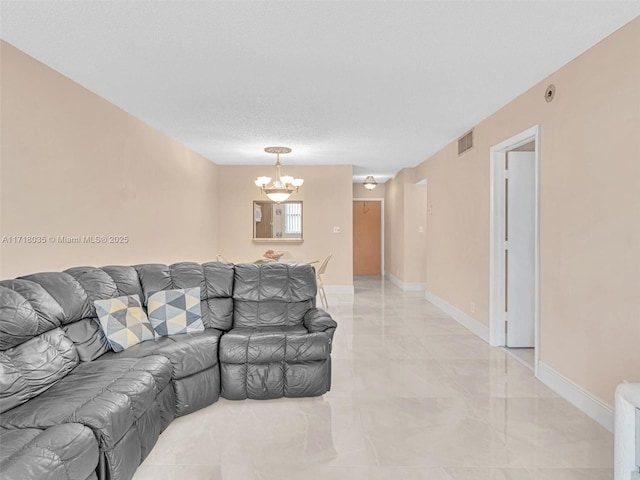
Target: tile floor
525 355
414 396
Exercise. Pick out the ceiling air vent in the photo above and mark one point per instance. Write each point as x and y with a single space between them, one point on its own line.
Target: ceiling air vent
465 142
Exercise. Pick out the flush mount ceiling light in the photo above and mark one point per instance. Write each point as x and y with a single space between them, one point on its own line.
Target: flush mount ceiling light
283 185
370 183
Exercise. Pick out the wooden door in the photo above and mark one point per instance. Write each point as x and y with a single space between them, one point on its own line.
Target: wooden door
264 226
366 238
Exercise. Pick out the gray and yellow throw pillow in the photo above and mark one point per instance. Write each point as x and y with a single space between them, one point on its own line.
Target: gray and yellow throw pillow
172 312
123 321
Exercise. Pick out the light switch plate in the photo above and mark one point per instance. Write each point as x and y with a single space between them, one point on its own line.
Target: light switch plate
336 229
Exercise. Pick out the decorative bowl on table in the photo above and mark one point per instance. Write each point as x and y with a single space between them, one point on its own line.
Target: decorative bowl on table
273 255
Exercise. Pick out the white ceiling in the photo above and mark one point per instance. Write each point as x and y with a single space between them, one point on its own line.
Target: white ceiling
380 85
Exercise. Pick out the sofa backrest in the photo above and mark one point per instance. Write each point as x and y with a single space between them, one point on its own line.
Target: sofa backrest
48 322
68 297
34 351
96 284
65 299
214 279
272 294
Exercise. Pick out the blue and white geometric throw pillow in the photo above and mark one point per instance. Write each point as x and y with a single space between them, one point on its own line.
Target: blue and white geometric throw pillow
123 321
172 312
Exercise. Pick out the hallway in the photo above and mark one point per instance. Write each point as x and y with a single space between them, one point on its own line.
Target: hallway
414 396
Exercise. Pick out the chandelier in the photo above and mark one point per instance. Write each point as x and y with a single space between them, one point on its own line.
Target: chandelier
283 185
370 183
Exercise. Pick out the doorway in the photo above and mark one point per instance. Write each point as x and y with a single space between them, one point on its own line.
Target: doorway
367 237
514 262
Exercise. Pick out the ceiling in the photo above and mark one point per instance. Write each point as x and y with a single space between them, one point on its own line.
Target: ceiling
380 85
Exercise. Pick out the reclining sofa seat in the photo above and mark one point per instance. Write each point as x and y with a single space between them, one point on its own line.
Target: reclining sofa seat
56 366
72 408
280 344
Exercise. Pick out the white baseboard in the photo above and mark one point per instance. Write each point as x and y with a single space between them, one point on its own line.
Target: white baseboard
570 391
405 286
576 395
465 320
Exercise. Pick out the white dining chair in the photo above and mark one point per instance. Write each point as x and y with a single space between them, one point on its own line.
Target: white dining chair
319 273
221 259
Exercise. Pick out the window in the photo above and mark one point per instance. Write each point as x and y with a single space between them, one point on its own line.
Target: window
292 218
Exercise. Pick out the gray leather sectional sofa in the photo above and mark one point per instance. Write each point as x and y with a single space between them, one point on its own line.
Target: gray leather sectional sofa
71 408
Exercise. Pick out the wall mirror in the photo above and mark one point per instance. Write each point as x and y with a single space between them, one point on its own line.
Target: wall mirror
279 222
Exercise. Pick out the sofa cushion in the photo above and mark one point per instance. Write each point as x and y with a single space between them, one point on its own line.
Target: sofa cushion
34 366
273 344
267 313
26 310
173 312
214 279
274 282
123 321
88 337
194 358
67 293
63 452
272 294
108 396
188 353
99 284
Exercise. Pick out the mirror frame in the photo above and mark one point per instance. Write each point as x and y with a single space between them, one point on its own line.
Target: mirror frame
276 239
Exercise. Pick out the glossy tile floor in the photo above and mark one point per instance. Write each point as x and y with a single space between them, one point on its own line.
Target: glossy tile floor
414 396
525 355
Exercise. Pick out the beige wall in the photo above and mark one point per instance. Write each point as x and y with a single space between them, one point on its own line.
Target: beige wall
415 219
327 196
405 213
73 164
589 214
394 254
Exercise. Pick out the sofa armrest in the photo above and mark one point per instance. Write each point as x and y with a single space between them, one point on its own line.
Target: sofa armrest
62 452
317 320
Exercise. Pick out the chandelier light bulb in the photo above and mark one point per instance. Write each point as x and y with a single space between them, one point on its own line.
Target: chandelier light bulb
278 196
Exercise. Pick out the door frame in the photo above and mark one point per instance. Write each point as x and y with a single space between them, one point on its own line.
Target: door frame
381 200
497 156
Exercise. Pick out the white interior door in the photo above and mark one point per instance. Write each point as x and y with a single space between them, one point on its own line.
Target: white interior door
520 249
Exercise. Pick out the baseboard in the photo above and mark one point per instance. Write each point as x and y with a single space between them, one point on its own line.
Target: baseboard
570 391
577 396
465 320
405 286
